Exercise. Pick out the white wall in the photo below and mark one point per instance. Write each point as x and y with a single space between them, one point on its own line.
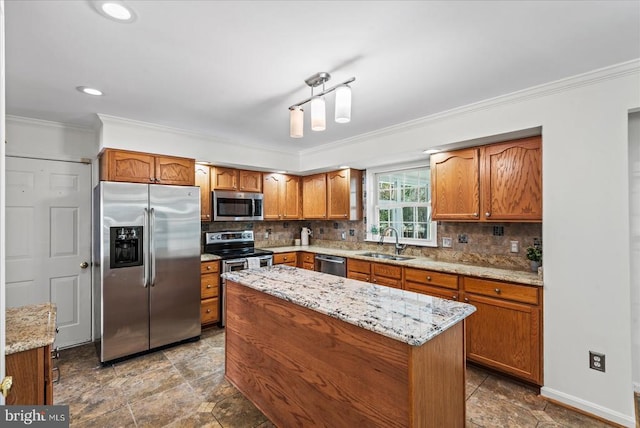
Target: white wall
634 170
585 218
144 137
586 233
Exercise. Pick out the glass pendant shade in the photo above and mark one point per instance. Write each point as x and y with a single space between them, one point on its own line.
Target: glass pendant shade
318 120
296 122
343 104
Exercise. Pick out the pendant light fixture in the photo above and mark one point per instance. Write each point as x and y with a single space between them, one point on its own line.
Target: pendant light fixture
318 105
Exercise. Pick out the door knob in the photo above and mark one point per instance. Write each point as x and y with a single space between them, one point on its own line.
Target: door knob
84 265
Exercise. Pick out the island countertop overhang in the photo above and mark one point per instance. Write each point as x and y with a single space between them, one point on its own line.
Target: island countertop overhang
402 315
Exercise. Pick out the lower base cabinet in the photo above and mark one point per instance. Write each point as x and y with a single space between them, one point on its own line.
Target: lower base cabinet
505 332
306 260
32 377
289 259
209 292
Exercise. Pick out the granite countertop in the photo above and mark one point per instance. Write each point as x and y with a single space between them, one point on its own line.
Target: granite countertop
205 257
29 327
520 277
409 317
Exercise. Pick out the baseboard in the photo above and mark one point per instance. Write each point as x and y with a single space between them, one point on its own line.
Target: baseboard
588 407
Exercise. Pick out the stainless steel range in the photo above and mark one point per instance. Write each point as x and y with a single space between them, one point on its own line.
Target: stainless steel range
237 251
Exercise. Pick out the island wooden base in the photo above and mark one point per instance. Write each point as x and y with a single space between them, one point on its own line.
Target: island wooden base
302 368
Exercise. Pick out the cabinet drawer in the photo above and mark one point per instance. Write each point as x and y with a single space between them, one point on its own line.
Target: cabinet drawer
428 277
308 266
209 311
354 265
389 271
388 282
308 258
209 285
210 267
441 292
284 258
502 290
358 275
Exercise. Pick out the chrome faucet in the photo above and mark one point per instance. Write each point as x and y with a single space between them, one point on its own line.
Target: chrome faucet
399 247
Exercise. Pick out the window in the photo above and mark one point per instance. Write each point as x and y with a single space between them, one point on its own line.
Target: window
401 198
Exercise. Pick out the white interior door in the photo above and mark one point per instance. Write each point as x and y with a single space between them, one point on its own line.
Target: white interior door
48 241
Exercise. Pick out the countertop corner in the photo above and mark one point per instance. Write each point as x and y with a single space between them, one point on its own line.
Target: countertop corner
30 327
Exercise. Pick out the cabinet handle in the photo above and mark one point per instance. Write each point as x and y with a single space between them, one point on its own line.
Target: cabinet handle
454 297
375 280
344 215
208 311
57 329
56 369
55 354
428 278
151 179
498 291
466 300
208 285
487 214
208 267
475 214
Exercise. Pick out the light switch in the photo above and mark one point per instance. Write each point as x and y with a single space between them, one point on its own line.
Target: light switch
515 246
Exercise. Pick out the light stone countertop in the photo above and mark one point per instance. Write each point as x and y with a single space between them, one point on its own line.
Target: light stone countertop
30 327
409 317
520 277
205 257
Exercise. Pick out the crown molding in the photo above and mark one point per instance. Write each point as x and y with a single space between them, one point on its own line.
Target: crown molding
563 85
48 123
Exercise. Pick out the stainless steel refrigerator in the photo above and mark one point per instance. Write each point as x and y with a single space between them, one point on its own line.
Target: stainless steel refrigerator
146 266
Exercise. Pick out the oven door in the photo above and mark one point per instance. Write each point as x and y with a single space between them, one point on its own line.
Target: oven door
232 265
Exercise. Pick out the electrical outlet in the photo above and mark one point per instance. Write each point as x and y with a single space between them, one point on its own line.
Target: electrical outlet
596 361
352 232
462 239
446 242
343 235
515 246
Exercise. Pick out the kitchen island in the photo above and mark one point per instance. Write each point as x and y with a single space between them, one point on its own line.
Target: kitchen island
311 349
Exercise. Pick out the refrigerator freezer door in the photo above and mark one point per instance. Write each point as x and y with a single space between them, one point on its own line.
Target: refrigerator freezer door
175 264
124 298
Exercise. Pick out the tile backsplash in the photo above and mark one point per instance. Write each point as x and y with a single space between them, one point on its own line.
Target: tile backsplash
487 244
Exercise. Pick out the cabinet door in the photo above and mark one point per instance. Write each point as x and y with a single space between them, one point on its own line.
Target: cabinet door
250 181
388 275
338 194
271 198
289 259
455 181
29 377
132 167
511 180
359 276
209 311
314 196
441 292
176 171
290 197
505 336
224 178
203 180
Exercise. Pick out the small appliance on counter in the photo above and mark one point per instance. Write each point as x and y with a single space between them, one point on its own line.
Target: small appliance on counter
304 236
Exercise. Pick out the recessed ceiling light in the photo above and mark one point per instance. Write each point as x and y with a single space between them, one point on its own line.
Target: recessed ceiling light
281 172
343 166
89 91
431 151
115 10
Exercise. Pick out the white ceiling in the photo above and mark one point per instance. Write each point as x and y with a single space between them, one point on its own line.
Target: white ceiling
231 69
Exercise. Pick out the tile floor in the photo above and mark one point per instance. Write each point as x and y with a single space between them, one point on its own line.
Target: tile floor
184 386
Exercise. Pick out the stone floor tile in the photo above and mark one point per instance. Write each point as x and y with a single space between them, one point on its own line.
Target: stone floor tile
196 421
514 392
94 403
120 418
566 417
166 407
213 388
266 424
209 362
186 351
151 382
475 377
488 410
238 412
214 336
141 364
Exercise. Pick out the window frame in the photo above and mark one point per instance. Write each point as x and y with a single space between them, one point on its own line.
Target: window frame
372 201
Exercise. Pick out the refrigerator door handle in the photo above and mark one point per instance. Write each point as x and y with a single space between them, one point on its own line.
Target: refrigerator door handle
152 245
146 264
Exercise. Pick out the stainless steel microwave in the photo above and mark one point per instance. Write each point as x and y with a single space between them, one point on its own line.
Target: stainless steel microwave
237 206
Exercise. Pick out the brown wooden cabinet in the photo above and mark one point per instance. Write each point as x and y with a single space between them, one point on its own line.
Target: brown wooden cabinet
203 180
344 194
289 259
497 182
136 167
281 196
209 292
377 273
235 179
438 284
306 260
505 332
314 196
32 377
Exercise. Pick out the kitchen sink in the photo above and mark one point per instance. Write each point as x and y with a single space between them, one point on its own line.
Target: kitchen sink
385 256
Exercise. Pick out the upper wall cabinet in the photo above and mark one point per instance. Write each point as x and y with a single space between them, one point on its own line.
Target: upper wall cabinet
136 167
234 179
281 196
498 182
344 194
314 196
203 180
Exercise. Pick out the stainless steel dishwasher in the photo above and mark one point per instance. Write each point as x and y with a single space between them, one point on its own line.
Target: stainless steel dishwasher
333 265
